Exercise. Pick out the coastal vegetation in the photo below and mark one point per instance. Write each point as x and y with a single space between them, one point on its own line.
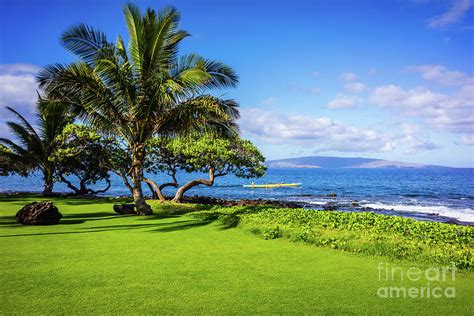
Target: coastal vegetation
34 147
98 262
393 237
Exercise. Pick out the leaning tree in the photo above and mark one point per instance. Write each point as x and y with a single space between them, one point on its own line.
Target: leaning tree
34 147
142 89
217 156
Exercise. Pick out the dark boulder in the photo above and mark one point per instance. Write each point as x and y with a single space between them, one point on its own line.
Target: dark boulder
124 209
39 213
330 206
223 202
355 204
332 194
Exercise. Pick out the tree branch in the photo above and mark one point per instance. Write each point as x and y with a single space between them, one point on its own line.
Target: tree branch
156 188
179 194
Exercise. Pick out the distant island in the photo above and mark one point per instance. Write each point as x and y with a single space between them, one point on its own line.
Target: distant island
343 162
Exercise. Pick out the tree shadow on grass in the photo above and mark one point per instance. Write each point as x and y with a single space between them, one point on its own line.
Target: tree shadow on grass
184 226
68 219
68 200
162 227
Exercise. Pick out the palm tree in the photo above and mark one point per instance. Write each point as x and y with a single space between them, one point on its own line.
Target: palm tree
34 146
143 89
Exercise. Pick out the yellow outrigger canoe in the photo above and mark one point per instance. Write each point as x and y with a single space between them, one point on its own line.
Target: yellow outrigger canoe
271 185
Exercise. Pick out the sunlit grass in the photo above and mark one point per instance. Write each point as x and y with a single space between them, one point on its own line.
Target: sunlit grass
97 262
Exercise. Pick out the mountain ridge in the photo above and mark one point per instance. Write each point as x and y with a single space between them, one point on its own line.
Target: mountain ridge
312 162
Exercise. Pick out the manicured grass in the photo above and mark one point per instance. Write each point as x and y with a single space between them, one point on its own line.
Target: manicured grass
96 262
394 237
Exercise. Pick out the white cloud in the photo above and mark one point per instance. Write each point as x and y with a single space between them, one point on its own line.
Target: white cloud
321 133
454 15
18 88
416 144
466 139
354 87
15 69
268 101
342 102
440 75
348 76
453 113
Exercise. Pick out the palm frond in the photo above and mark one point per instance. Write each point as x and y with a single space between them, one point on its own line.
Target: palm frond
24 122
14 148
222 76
84 41
133 20
200 114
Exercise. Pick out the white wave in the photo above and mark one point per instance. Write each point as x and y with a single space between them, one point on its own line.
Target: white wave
314 202
464 215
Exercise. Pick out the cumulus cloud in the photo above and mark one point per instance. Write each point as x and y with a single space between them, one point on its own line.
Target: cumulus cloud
321 133
453 113
342 102
417 144
18 88
466 139
268 101
354 87
440 75
454 15
348 76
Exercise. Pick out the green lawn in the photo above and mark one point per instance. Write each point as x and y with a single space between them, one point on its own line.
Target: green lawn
98 262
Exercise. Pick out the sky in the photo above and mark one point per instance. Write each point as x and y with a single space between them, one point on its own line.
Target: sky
379 79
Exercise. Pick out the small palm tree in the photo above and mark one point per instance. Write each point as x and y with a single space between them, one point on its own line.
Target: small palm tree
143 89
34 147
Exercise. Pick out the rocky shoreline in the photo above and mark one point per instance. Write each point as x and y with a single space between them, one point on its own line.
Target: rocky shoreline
329 206
245 202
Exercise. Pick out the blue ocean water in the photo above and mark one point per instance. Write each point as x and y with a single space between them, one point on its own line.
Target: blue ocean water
427 194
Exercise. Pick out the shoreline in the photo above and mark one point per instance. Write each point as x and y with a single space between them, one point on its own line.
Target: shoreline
278 203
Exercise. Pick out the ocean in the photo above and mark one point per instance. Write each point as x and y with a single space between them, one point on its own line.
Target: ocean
426 194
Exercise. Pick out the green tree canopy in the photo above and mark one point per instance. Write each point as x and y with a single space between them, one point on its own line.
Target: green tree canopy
217 156
80 153
142 89
31 148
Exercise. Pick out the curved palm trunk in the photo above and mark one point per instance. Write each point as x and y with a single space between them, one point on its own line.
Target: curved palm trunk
48 182
141 206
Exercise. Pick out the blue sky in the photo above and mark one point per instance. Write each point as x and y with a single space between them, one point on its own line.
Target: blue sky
384 79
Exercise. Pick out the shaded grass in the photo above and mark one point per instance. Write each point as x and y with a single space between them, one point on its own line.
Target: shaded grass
173 263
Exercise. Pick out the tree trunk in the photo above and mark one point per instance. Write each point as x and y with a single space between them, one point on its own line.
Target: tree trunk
125 181
48 182
179 194
141 206
70 185
103 190
155 189
153 193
